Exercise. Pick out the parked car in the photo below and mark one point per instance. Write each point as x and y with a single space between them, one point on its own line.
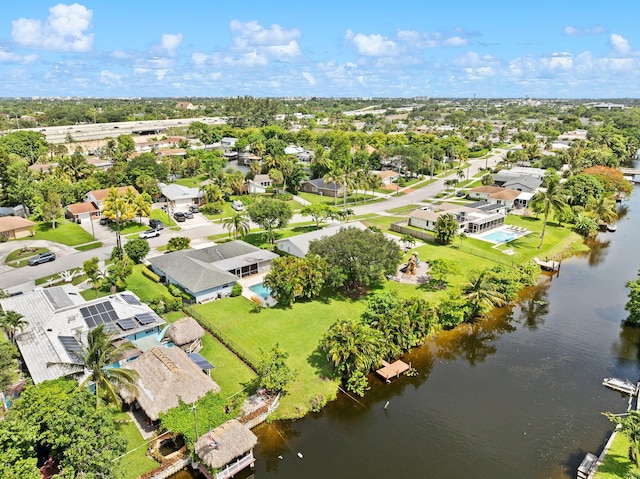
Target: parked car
179 216
149 234
188 215
104 220
42 258
156 224
237 205
194 209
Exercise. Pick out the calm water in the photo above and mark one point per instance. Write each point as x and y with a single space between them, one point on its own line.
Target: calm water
518 395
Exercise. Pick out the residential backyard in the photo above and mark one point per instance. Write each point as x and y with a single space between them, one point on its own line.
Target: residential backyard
616 463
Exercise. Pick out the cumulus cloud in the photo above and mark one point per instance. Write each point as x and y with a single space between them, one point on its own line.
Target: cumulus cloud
619 44
65 29
275 42
171 42
578 31
110 78
421 40
11 57
374 45
309 77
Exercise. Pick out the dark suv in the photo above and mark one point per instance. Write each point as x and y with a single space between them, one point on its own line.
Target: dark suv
179 216
156 224
42 258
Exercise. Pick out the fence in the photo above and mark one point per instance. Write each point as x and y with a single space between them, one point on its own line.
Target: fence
246 357
402 227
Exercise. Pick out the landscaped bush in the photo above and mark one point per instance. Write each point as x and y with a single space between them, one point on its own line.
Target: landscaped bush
236 290
172 304
150 274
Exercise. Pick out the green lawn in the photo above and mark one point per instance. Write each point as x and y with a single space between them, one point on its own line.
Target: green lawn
143 287
89 246
130 227
65 232
160 214
20 257
403 209
191 182
297 330
382 222
231 374
616 463
352 200
136 462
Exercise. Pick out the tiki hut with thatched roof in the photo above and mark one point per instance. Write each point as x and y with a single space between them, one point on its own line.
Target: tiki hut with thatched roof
166 375
187 334
227 449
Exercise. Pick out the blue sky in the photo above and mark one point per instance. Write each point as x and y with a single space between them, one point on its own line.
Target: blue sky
116 48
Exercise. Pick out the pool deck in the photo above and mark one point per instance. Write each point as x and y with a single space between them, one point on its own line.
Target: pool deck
517 231
249 281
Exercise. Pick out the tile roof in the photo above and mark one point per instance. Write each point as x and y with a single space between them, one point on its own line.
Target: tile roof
9 223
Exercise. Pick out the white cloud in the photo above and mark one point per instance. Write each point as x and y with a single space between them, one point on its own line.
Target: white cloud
577 31
11 57
199 59
65 29
171 42
121 55
309 77
374 45
257 44
619 44
474 60
109 78
421 40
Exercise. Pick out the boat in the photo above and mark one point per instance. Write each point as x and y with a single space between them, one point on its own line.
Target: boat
620 385
612 228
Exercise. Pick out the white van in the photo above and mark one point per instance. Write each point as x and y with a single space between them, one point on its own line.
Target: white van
238 205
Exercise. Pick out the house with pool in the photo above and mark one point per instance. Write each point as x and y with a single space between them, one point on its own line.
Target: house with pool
59 319
474 218
210 273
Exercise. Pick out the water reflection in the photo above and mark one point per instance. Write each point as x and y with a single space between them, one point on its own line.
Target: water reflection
534 305
598 248
627 347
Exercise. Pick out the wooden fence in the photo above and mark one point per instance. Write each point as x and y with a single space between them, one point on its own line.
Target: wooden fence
402 227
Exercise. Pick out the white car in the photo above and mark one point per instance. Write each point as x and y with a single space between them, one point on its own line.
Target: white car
149 234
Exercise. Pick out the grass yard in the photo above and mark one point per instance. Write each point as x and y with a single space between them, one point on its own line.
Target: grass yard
352 200
616 463
191 182
89 246
160 214
20 257
136 462
297 330
231 374
143 287
382 222
130 227
66 232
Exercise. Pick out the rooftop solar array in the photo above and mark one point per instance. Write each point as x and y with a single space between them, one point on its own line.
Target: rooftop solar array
97 314
200 361
71 344
126 324
131 299
145 318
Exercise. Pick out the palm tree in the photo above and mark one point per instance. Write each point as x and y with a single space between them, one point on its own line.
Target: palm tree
238 223
141 207
481 292
409 241
13 322
547 200
96 359
335 175
603 209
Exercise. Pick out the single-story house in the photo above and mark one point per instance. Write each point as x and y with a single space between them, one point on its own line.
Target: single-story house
523 183
13 227
167 152
102 164
82 211
470 220
98 196
210 273
181 196
495 194
503 176
226 450
187 334
259 184
319 187
58 320
166 376
388 177
299 245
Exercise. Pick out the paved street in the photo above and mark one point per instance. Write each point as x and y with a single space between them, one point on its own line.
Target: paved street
22 279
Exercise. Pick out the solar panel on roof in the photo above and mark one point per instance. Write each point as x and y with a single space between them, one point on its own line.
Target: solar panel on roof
97 314
129 298
145 318
200 361
70 343
93 310
126 324
110 328
100 307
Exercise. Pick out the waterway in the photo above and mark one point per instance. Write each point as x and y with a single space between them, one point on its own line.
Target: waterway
518 395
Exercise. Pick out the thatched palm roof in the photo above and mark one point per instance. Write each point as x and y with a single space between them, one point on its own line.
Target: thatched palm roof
232 439
164 376
184 331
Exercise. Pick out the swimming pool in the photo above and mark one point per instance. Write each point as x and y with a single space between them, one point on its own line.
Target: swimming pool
500 236
261 290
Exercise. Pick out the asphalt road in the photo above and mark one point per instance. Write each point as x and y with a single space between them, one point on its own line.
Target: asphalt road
21 279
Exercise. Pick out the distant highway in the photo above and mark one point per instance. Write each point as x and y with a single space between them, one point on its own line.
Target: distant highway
98 131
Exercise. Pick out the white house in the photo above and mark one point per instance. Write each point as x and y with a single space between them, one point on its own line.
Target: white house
181 196
471 220
259 184
388 177
495 194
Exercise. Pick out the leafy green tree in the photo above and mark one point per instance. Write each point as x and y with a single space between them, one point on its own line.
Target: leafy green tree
358 383
630 427
290 278
446 228
603 209
96 358
481 293
118 272
408 241
12 322
273 372
141 205
270 215
551 199
352 346
179 242
440 269
137 249
357 258
585 225
633 304
93 273
238 223
59 418
75 167
453 310
8 364
29 145
318 211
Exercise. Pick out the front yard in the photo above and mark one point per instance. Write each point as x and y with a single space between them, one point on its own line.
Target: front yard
66 232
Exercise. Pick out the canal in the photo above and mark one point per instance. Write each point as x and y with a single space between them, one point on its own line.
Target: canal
518 395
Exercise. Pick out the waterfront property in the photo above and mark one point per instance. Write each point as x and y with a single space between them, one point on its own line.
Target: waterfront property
299 245
187 334
471 219
58 320
503 234
393 370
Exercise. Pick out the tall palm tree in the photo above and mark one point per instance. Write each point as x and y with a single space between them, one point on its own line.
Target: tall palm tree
603 208
352 346
238 223
96 359
482 294
551 199
335 175
13 322
141 207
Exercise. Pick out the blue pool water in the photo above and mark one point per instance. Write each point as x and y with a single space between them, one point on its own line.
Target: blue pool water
261 290
499 236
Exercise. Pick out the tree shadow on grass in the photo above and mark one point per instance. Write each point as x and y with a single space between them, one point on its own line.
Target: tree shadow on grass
318 360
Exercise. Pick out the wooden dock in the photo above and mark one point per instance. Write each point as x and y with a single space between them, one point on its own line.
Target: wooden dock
394 370
587 466
552 266
620 385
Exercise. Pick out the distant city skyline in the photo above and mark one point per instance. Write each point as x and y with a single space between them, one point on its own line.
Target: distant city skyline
198 48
